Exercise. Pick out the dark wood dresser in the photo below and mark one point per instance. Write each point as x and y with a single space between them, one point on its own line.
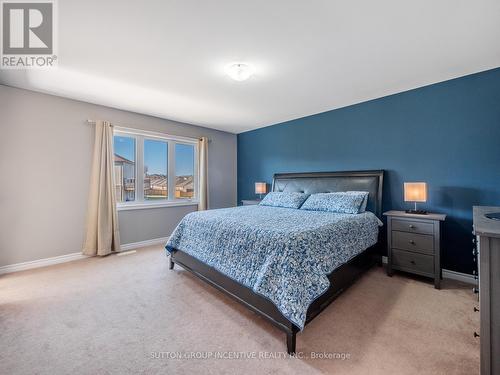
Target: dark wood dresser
487 232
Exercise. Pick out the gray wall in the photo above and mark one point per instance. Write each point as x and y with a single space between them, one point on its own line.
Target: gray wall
45 154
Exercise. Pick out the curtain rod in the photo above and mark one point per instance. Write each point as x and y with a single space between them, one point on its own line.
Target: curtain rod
92 122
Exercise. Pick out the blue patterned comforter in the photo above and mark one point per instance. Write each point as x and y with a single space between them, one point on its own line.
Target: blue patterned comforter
283 254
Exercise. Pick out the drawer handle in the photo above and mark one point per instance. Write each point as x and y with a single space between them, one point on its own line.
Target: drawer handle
411 226
476 334
411 242
412 262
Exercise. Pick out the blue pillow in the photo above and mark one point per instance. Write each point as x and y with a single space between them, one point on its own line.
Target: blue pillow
284 199
341 202
362 208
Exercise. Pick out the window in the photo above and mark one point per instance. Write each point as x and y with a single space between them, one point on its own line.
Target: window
184 170
124 168
153 169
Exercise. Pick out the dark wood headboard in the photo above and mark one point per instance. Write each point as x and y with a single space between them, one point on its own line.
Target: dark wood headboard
328 182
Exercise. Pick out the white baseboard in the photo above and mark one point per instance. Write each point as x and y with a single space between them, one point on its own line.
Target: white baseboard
464 277
40 263
74 256
452 275
135 245
447 274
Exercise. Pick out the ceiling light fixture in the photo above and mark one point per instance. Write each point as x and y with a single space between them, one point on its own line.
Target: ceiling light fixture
239 71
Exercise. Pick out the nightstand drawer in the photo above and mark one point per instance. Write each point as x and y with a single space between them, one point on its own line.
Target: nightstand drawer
412 226
412 262
420 243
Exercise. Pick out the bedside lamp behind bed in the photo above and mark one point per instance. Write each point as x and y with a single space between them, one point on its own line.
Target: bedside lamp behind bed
260 188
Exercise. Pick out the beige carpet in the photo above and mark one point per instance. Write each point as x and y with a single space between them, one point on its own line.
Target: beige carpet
122 314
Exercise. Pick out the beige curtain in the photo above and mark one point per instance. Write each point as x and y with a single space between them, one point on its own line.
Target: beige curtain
203 165
103 236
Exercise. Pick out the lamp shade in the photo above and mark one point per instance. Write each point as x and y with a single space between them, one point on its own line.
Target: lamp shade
260 188
415 191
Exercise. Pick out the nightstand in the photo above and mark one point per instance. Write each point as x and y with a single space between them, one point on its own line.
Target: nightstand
250 202
414 244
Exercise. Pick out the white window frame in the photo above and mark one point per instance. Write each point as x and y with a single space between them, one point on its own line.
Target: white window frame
171 140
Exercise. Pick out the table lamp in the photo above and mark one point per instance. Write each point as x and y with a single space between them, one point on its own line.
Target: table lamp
260 188
415 192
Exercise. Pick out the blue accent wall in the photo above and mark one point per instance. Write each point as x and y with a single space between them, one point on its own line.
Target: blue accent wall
447 134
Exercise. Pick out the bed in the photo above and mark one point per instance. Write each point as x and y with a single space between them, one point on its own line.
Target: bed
285 264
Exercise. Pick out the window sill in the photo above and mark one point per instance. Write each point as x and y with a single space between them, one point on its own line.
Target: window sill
147 205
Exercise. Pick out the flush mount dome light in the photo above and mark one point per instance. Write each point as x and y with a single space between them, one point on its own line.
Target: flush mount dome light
239 71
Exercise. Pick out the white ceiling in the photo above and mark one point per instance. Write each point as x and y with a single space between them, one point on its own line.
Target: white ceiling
167 58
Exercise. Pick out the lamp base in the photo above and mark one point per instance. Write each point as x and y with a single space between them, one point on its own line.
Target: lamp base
416 212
